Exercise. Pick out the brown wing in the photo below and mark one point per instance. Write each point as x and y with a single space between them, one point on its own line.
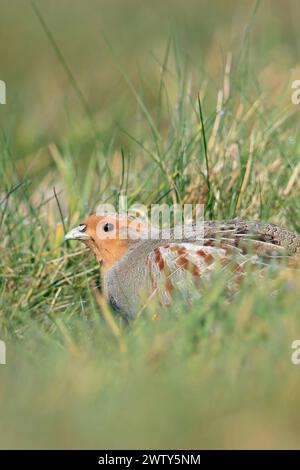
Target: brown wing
183 268
260 238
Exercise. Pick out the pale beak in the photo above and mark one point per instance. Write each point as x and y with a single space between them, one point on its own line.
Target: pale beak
77 233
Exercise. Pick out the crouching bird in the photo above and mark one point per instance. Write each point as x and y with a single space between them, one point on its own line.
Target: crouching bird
139 261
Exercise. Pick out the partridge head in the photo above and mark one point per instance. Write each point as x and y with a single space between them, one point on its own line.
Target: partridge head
106 236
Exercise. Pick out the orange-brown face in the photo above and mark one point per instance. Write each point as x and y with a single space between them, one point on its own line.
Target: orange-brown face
105 235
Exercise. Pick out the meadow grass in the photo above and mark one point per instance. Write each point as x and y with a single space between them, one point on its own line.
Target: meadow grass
178 127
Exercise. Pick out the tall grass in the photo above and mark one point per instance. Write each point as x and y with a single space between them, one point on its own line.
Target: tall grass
214 374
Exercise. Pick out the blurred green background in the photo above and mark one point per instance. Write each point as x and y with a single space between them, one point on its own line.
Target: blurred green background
102 96
41 101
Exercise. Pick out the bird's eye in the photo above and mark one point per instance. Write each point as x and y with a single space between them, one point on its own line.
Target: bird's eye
108 227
